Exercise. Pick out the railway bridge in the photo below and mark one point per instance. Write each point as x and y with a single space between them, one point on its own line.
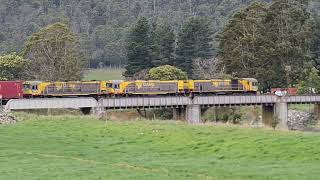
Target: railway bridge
184 107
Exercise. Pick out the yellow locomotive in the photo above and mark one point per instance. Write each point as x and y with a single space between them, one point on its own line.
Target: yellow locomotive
61 89
214 86
139 87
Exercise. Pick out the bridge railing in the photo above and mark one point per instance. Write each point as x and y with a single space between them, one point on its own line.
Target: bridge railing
302 99
145 102
233 100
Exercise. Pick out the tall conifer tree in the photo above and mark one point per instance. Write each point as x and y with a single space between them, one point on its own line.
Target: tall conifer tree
194 41
163 45
139 48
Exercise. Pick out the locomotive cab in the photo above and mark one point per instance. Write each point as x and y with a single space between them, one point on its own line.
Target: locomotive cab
114 87
31 88
252 85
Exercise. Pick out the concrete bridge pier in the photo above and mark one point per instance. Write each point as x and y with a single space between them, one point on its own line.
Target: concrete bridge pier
193 114
317 111
281 109
100 110
275 112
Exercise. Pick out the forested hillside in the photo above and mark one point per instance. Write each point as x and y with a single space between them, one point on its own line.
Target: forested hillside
102 25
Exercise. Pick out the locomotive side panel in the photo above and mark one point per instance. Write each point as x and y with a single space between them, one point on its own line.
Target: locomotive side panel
152 87
72 88
212 86
224 86
203 86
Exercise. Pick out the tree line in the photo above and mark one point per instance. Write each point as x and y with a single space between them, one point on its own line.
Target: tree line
151 44
277 43
101 26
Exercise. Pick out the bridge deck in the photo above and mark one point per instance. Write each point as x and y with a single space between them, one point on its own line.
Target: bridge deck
145 102
150 102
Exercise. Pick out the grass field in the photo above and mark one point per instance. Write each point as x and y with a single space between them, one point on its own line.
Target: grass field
85 148
104 74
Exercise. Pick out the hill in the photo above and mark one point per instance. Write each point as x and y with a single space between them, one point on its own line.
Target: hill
102 25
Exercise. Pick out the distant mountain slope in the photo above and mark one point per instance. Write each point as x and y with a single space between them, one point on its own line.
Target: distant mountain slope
102 25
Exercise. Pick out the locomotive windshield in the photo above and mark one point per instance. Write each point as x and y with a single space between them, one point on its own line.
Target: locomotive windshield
26 86
34 87
112 85
109 85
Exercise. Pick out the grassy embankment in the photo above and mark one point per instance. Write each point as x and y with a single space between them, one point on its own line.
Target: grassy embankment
104 74
85 148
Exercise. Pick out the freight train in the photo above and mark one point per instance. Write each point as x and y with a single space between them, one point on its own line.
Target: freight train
111 88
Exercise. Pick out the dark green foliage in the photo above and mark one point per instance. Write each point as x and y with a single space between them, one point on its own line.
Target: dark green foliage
270 43
139 48
194 41
310 83
149 45
163 45
102 25
289 32
316 42
109 45
241 42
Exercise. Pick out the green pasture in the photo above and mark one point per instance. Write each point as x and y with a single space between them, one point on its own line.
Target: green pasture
103 74
82 147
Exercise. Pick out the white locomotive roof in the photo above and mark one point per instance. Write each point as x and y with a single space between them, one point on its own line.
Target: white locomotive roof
250 79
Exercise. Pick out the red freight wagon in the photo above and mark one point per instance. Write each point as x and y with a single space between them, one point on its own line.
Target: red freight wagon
11 90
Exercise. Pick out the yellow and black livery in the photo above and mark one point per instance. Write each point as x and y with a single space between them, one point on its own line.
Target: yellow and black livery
60 89
139 87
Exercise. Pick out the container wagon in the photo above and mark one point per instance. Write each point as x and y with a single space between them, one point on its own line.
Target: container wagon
11 90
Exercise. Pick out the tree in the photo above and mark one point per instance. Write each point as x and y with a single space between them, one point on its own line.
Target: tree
315 47
311 83
205 68
109 45
163 45
242 42
167 72
194 41
141 75
138 48
53 54
289 31
270 43
12 67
